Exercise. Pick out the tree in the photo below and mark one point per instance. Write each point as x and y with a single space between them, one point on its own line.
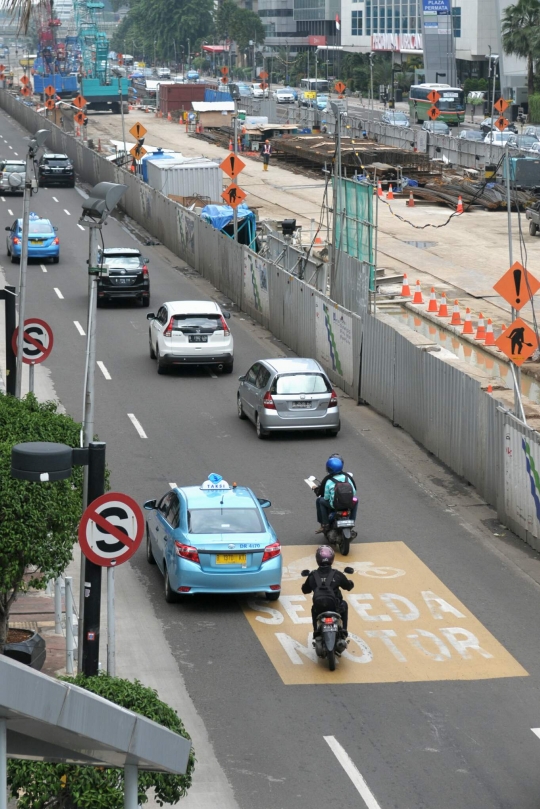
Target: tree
519 28
68 786
239 24
38 521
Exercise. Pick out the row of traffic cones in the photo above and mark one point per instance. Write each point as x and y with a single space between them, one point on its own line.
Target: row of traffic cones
484 331
410 201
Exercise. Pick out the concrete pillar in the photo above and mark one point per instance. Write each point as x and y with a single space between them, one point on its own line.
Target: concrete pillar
3 763
131 782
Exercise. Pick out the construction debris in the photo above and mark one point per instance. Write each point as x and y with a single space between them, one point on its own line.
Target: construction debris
491 196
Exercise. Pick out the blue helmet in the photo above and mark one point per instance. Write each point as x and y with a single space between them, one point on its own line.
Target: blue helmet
334 465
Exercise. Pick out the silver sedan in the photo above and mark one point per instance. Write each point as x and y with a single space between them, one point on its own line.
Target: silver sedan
288 394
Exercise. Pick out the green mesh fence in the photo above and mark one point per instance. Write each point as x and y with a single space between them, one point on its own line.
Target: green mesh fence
355 233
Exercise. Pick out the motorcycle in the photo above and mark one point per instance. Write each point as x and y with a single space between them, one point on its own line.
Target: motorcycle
340 532
329 640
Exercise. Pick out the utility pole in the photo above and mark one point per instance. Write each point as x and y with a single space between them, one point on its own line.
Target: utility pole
122 114
371 99
516 371
337 204
235 151
35 143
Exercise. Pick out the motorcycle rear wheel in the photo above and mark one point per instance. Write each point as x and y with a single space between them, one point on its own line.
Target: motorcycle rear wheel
344 546
331 659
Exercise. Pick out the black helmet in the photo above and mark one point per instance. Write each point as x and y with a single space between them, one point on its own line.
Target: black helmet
325 556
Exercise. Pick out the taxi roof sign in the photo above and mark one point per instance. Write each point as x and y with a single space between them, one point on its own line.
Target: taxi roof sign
215 483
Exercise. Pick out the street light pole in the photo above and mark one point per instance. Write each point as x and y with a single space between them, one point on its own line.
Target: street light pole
122 113
35 143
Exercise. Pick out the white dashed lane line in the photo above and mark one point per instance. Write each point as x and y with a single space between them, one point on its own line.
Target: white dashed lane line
79 328
173 485
16 153
80 226
212 374
68 213
10 212
43 267
59 293
10 147
353 772
104 371
3 199
136 423
55 199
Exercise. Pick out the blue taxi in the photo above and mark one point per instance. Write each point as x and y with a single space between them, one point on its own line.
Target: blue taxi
213 538
42 239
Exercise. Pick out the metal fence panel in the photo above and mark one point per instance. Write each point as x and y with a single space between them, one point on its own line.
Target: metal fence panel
350 285
377 379
255 291
522 480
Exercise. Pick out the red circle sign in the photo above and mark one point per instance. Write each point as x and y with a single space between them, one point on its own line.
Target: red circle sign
111 529
38 341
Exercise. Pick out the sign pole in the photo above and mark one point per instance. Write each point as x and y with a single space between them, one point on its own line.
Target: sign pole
111 634
235 152
518 405
31 370
22 274
92 574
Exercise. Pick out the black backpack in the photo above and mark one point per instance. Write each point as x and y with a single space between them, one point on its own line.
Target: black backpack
324 597
343 495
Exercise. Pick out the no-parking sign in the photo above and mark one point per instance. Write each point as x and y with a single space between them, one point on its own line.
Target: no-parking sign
111 529
38 341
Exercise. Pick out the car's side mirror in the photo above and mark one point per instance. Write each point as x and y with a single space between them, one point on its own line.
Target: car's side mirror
240 378
226 315
349 570
150 505
264 503
55 229
8 227
150 316
145 259
305 572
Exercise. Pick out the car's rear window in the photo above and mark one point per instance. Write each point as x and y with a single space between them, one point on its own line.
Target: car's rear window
56 161
225 521
40 227
300 383
195 323
8 167
122 262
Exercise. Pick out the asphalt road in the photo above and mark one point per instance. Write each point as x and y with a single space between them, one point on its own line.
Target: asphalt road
444 742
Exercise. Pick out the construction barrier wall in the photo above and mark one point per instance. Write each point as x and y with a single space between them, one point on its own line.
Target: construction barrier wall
373 359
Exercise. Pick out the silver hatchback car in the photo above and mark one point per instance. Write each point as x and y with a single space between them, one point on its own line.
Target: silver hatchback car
288 394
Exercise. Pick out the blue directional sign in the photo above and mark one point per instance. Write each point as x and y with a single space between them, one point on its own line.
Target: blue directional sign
437 7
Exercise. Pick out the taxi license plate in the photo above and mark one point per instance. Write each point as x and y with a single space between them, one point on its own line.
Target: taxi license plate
36 242
231 559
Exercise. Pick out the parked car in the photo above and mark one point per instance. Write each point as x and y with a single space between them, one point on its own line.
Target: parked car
56 169
489 123
284 95
436 127
190 333
471 134
125 275
213 538
395 118
501 138
42 239
288 394
526 142
8 167
257 91
532 130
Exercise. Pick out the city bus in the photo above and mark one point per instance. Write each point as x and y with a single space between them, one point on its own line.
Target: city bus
451 103
314 85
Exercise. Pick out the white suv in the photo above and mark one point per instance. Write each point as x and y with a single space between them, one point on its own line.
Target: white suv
258 92
190 333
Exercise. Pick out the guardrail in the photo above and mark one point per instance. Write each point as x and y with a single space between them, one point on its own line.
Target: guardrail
374 360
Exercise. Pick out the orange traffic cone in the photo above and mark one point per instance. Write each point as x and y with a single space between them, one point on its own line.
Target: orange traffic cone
379 189
443 308
405 288
410 201
417 293
390 193
467 326
459 208
503 329
489 389
456 315
432 306
490 337
231 147
481 330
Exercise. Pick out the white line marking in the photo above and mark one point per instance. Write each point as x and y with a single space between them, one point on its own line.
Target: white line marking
55 199
212 374
536 732
68 213
3 199
59 293
173 485
136 423
16 153
103 370
79 328
81 192
80 226
43 267
10 147
352 771
10 212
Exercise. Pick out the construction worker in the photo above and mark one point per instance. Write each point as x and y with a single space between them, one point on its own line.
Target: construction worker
267 151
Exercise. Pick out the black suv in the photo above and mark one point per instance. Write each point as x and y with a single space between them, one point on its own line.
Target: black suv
124 275
56 169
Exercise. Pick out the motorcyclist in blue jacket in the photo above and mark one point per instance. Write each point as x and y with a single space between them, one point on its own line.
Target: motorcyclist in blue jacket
325 491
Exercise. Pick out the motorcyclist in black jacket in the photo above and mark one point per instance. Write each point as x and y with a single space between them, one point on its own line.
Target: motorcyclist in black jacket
324 558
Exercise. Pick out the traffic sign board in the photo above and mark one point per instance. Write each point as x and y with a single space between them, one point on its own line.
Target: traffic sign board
339 87
232 166
79 101
79 118
263 74
501 123
433 96
224 70
26 91
224 80
518 342
25 80
138 131
111 529
263 85
49 90
38 341
137 152
49 104
433 113
501 104
517 286
233 195
2 68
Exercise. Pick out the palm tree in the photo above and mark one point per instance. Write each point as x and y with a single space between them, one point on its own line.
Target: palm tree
520 24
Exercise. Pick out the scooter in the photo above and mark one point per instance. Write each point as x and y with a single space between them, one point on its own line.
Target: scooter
329 640
340 532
